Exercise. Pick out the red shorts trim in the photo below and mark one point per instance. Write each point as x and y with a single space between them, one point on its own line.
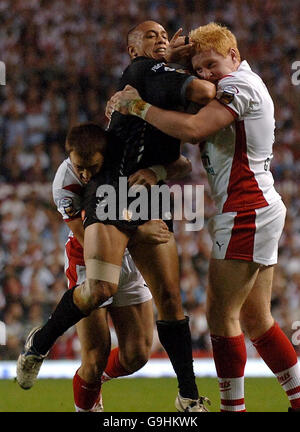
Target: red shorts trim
242 237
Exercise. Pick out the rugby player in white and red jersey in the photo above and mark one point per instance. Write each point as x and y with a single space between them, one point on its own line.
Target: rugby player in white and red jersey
236 132
130 308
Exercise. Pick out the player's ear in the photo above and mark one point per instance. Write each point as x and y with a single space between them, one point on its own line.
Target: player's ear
132 51
233 55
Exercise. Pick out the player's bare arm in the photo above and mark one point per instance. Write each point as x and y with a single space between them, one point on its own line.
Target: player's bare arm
186 127
191 127
199 91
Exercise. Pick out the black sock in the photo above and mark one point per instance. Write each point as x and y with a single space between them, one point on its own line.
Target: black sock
64 316
175 337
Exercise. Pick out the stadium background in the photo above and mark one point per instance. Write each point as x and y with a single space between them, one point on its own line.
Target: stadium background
63 59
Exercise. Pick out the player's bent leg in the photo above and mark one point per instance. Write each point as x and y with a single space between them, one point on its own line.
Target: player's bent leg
271 343
134 328
104 247
94 336
230 282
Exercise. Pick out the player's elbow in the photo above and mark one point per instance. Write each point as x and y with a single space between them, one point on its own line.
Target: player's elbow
201 92
211 92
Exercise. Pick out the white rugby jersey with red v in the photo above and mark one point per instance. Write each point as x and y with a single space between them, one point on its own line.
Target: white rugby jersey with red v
237 160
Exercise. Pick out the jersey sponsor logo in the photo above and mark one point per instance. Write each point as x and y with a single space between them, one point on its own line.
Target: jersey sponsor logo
162 67
158 66
68 206
207 165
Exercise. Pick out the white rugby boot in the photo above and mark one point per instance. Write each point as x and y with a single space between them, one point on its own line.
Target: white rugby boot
29 363
191 405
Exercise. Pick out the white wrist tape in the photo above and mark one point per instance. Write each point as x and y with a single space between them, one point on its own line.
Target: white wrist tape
160 172
139 108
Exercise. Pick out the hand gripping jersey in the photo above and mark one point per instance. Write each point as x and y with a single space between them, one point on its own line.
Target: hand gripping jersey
237 158
68 196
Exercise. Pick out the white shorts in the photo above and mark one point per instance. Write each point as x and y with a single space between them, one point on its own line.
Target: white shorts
251 235
132 288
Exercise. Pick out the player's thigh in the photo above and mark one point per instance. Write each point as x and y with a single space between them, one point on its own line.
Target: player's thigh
230 282
256 317
104 242
93 333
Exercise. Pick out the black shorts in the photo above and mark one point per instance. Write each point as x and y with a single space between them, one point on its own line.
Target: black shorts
109 208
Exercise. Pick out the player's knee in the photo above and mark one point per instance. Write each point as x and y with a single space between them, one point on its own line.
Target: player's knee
254 325
220 315
136 358
93 363
100 291
170 302
93 293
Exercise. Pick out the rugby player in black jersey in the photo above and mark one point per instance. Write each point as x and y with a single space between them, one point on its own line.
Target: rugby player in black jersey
134 147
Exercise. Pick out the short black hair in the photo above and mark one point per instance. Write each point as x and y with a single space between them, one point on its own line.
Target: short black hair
130 32
86 139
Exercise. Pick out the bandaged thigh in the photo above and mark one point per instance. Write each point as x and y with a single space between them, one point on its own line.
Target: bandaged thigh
100 271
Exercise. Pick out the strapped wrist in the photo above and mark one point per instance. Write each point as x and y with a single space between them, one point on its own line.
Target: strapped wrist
160 172
139 108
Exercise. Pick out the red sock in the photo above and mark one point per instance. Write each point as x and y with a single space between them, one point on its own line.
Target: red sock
278 353
114 369
230 357
85 394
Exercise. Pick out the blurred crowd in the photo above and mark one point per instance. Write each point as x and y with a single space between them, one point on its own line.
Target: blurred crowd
63 60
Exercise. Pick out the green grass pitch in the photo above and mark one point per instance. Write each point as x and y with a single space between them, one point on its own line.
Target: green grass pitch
135 395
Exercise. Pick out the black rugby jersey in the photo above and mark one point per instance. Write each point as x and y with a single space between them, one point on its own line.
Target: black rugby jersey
135 144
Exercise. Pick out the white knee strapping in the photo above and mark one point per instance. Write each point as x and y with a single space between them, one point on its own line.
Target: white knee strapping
101 270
